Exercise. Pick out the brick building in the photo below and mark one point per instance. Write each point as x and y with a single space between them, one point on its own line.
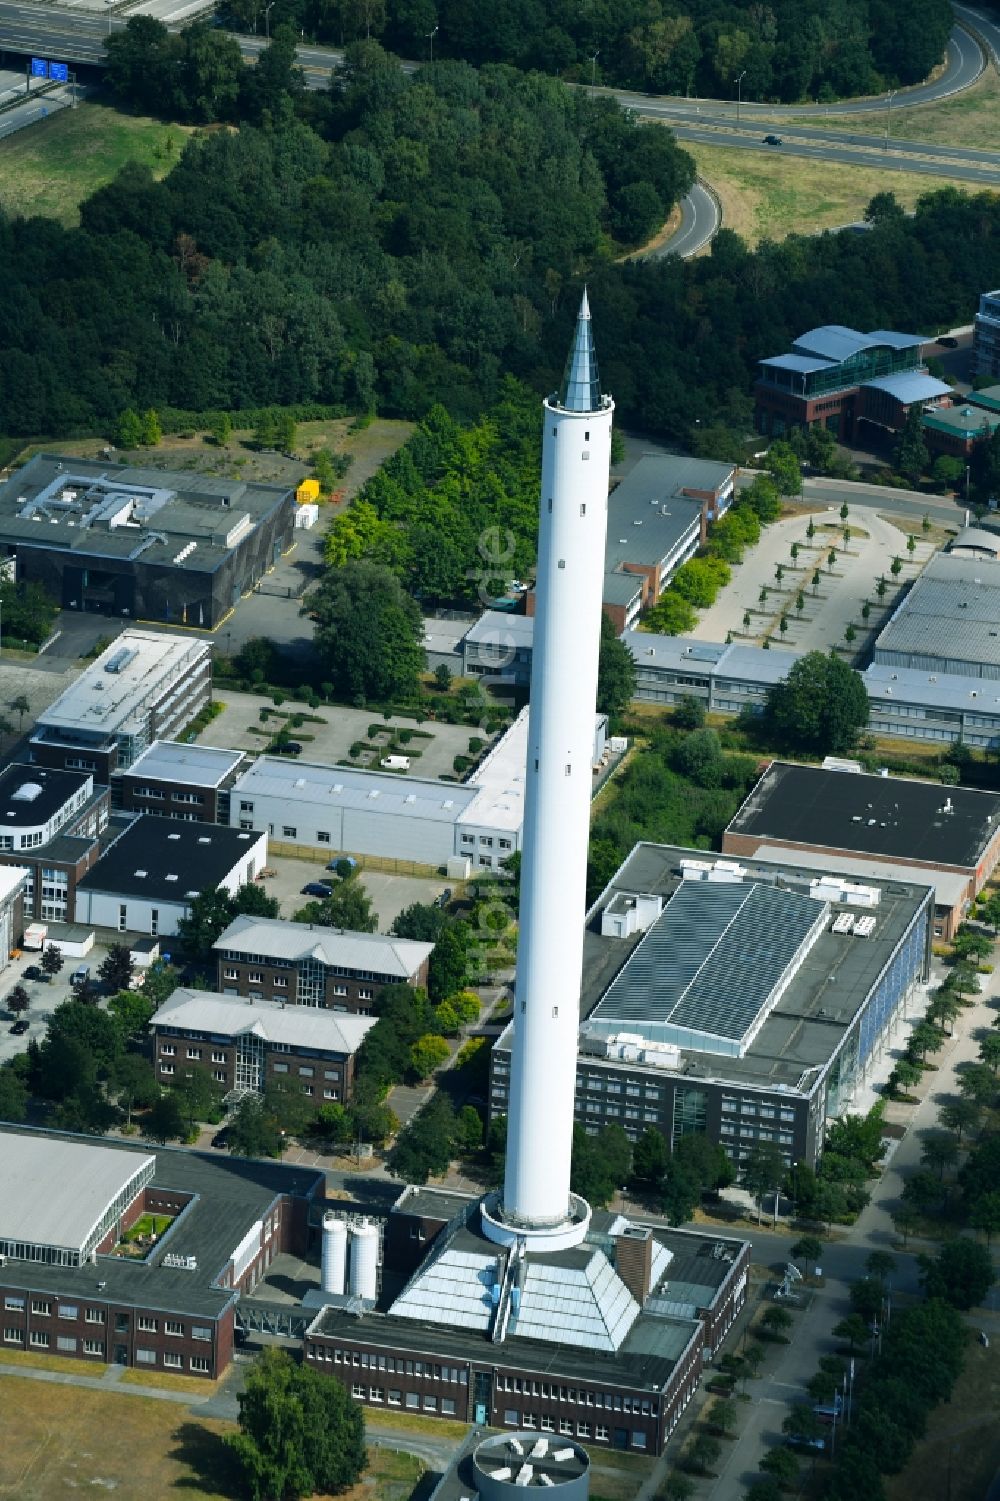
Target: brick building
246 1045
67 1288
605 1342
175 780
862 824
265 959
838 378
144 687
50 825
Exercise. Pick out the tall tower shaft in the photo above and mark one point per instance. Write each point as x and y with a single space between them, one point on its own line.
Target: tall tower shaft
576 460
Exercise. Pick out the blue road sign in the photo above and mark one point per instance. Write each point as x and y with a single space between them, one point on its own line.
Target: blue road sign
39 68
59 72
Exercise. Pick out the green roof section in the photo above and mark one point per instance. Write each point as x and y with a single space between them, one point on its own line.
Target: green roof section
989 398
963 422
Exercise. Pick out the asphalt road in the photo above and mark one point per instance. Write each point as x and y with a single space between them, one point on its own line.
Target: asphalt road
78 36
933 161
700 219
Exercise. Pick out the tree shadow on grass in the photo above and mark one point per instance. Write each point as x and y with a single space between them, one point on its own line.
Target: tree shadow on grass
215 1470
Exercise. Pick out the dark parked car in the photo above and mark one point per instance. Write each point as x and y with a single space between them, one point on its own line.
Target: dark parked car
20 1027
948 342
444 898
317 888
35 972
772 140
288 748
221 1138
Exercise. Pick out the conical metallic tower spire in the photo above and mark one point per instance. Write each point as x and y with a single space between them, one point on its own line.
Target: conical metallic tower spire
581 385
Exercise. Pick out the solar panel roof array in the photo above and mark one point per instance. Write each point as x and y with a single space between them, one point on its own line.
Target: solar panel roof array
711 964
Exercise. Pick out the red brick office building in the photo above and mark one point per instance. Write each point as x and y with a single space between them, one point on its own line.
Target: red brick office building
266 959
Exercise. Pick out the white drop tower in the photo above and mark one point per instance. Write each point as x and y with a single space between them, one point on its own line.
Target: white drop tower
537 1206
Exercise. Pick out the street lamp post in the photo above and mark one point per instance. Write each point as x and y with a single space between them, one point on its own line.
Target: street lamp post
739 93
593 68
267 21
888 115
430 37
110 5
968 469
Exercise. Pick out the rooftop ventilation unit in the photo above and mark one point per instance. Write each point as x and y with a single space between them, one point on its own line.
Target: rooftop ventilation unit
121 659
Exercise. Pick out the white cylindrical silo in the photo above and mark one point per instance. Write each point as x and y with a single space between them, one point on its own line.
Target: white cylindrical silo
333 1272
364 1261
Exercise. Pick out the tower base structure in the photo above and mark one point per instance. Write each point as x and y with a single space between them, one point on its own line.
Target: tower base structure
535 1239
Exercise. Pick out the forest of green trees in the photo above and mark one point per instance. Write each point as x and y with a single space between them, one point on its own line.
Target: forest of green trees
790 49
412 240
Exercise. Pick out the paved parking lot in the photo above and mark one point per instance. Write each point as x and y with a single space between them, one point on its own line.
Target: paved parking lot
389 893
44 998
331 741
841 593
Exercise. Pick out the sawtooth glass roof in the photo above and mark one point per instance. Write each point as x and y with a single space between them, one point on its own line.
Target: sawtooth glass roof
712 965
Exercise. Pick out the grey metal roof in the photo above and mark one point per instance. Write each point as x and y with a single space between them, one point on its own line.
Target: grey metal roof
230 1195
651 650
909 386
835 342
621 588
711 963
950 887
754 664
272 938
377 792
231 1016
580 390
976 538
196 765
54 1191
931 690
110 695
649 516
802 364
501 628
951 613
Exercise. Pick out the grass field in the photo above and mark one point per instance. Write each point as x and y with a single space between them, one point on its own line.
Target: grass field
769 197
971 119
52 167
63 1440
961 1453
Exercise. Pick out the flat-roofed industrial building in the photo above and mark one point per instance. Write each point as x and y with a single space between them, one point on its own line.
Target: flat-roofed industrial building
745 999
859 823
142 544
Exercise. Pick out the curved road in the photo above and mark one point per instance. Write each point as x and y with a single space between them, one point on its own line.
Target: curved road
963 66
700 220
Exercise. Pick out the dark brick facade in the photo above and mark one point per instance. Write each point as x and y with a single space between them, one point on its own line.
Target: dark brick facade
502 1391
140 794
324 1076
278 980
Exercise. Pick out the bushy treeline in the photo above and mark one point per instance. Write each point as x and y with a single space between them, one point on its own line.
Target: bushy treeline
409 249
789 48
